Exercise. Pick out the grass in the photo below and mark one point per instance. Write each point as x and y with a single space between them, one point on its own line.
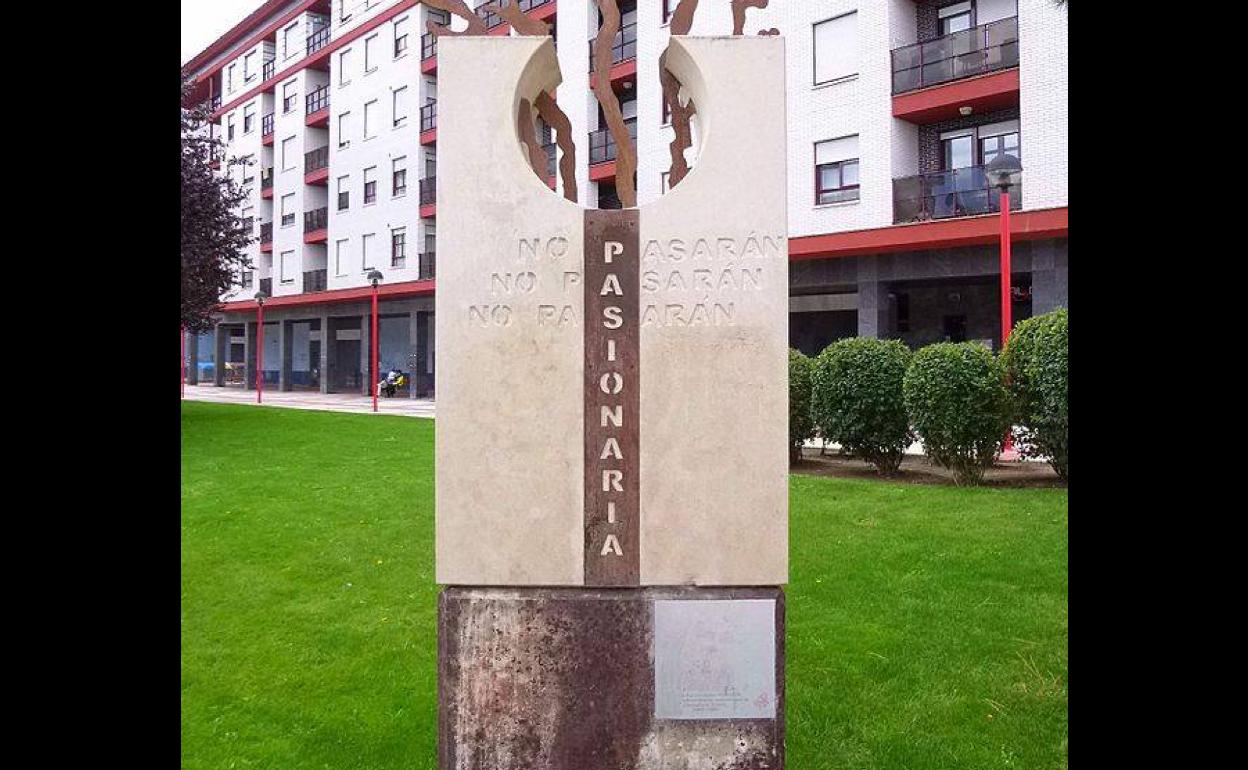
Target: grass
927 625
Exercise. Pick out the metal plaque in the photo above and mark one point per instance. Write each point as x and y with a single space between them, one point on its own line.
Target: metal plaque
715 659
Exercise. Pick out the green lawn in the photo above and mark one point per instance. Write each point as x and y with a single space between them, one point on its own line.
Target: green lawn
926 625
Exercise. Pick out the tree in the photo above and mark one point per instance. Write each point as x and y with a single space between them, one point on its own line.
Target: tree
213 236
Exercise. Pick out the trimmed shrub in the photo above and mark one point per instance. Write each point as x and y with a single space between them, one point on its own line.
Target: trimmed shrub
858 399
957 400
801 426
1037 360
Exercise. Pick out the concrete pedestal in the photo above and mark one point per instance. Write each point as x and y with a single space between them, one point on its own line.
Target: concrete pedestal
611 679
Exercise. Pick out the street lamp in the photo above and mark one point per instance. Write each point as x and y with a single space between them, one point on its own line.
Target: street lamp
260 298
374 277
1004 171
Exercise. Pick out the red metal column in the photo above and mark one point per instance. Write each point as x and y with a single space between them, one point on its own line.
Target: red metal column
259 352
1006 312
375 375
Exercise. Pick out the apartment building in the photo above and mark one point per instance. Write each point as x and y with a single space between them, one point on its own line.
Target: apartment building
895 107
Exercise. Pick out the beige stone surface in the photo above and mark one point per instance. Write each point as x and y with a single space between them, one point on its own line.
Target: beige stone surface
714 338
508 435
714 386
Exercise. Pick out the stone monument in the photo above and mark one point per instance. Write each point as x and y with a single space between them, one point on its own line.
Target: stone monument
612 497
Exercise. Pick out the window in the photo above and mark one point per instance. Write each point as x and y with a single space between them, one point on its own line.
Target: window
229 127
370 119
667 11
978 145
367 248
955 18
665 182
247 279
398 247
229 79
288 153
398 175
343 13
438 16
249 173
400 106
290 46
344 63
342 253
997 138
286 267
249 66
290 97
370 185
836 48
288 209
836 170
344 193
431 239
343 125
370 54
249 118
957 149
400 37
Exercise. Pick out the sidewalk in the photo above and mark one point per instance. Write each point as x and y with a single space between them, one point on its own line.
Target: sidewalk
329 402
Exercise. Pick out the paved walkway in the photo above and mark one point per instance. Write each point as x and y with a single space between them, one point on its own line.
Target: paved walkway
328 402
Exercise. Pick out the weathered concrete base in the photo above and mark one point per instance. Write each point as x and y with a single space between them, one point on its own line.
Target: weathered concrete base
564 679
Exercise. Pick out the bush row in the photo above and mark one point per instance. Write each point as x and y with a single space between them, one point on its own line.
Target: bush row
874 397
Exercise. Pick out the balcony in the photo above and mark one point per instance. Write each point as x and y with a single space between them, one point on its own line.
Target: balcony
623 47
215 103
428 190
266 183
428 53
490 18
318 40
266 233
961 192
428 260
266 129
975 68
314 224
602 150
315 280
269 70
429 123
316 166
266 286
316 107
552 166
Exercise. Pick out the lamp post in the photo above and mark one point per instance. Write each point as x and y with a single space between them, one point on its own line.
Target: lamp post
375 278
1004 171
260 298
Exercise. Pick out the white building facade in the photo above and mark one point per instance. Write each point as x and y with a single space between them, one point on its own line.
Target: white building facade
894 108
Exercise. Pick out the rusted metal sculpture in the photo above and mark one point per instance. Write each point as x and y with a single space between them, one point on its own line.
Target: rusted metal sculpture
476 26
681 21
625 153
738 13
545 104
559 123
